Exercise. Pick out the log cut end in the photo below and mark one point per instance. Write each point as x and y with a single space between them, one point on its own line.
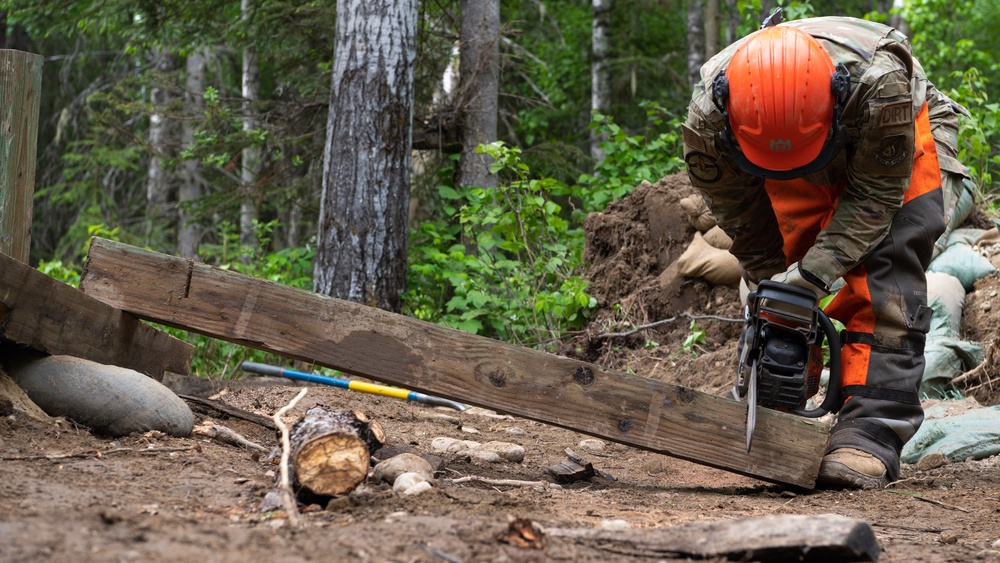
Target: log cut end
331 450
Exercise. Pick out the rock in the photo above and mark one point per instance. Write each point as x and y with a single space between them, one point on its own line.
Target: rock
390 470
417 489
485 456
931 461
510 452
950 536
591 445
107 399
407 481
470 430
514 430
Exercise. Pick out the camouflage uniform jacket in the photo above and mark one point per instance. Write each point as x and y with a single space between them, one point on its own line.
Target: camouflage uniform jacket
888 89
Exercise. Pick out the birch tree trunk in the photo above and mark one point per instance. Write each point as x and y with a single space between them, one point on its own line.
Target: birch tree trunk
711 28
251 154
361 244
479 68
192 183
600 97
695 39
159 207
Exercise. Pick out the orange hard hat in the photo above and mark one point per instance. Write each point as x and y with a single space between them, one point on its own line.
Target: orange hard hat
782 97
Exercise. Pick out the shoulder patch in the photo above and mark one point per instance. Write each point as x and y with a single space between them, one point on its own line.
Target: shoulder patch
891 151
896 113
703 167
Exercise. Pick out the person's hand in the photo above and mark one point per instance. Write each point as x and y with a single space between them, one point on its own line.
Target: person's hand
796 276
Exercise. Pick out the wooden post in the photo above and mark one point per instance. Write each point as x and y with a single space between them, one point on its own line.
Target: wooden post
20 98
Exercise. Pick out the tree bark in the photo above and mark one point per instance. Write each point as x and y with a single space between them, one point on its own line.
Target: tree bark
479 67
330 450
251 153
711 28
361 246
192 183
159 205
600 98
695 39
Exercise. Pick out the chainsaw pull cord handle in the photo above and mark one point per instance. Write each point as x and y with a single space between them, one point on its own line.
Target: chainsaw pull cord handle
833 400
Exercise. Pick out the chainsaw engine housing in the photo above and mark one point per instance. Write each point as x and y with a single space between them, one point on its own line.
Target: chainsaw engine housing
781 348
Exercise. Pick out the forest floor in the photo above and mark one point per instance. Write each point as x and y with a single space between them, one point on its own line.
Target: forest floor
69 495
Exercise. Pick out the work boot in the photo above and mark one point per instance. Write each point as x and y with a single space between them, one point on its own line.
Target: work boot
848 468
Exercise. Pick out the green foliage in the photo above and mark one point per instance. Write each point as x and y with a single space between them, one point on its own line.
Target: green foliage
946 38
630 158
695 337
502 262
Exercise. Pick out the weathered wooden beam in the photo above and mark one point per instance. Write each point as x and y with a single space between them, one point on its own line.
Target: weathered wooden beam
399 350
20 98
785 537
45 314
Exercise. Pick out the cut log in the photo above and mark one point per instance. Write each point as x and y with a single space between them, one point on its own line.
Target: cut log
331 450
47 315
437 360
790 537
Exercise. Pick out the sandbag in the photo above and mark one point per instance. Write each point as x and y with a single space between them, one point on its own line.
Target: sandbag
698 212
702 260
946 296
946 356
974 434
961 261
107 399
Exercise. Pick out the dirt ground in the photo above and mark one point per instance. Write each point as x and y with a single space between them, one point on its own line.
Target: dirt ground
69 495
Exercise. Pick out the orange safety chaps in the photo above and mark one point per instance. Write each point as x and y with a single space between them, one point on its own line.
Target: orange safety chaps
883 304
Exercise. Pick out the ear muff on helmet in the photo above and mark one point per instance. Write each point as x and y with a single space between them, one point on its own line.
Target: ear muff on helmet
781 97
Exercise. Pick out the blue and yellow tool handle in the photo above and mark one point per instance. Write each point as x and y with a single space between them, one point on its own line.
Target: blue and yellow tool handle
360 386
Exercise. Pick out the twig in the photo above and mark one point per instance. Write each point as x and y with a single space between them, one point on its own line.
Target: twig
908 528
663 322
226 436
503 482
932 501
93 453
285 488
231 411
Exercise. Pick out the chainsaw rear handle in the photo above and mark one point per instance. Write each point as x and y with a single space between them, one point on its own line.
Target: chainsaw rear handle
833 399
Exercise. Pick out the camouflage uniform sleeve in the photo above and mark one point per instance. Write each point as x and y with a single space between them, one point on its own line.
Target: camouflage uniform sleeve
738 200
880 161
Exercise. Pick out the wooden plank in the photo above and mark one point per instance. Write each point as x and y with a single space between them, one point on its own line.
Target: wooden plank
786 537
402 351
20 97
40 312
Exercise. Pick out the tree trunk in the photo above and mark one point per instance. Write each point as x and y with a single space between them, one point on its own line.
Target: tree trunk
732 21
251 153
361 246
711 28
695 39
479 68
600 98
159 197
330 450
192 183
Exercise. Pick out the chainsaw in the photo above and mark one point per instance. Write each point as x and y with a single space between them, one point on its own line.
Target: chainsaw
781 353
